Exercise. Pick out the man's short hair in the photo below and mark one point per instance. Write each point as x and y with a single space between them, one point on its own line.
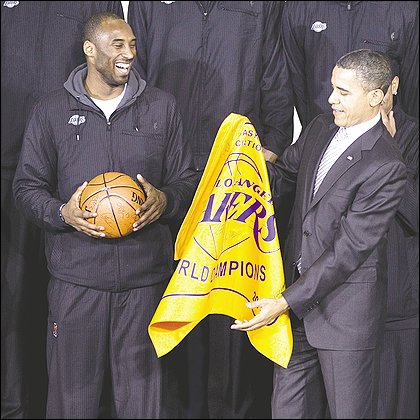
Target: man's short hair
373 69
90 31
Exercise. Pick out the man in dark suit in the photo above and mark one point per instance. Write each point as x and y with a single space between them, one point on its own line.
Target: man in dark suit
349 183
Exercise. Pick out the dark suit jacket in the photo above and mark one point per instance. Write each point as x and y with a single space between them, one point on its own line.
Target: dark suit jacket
340 234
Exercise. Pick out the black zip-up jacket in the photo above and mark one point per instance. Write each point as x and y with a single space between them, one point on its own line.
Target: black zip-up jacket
403 235
217 57
41 43
68 141
317 33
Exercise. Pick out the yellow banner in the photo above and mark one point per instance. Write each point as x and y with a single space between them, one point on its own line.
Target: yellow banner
227 247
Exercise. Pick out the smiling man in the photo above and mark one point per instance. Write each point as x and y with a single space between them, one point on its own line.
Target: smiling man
103 292
349 179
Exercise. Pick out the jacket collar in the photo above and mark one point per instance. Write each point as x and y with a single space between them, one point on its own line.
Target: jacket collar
74 85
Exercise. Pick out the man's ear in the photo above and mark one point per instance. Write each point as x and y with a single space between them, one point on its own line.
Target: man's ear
376 97
88 48
394 84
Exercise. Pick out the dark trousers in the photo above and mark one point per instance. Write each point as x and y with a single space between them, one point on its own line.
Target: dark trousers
317 381
24 278
399 375
89 330
226 377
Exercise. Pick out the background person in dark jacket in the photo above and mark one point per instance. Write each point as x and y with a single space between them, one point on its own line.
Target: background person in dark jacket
348 189
103 292
41 43
316 33
399 362
217 58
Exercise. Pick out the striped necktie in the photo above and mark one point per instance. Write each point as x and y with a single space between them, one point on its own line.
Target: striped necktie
334 150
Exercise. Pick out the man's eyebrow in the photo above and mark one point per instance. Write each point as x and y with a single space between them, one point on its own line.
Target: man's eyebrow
123 40
342 89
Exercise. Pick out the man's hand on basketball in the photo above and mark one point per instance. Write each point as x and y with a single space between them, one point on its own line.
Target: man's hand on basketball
153 207
75 217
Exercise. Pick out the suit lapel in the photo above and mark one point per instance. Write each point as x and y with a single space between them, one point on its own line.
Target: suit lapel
349 157
318 148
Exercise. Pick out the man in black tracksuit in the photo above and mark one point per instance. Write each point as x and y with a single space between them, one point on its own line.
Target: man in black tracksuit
398 396
316 33
217 58
103 292
41 43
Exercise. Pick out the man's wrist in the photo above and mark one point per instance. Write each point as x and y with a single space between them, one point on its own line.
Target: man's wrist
60 213
281 300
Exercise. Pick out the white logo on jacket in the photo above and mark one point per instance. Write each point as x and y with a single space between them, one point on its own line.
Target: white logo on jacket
168 2
318 26
10 4
77 119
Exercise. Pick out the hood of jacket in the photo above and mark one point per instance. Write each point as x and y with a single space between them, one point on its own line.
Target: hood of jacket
74 85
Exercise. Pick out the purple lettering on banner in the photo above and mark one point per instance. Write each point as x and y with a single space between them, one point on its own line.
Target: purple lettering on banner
204 272
217 217
222 268
262 272
245 182
233 204
183 265
271 231
250 274
230 206
192 272
233 265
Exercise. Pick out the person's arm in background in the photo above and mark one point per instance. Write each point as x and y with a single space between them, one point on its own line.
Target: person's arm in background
295 60
408 210
409 70
405 131
136 17
179 178
276 101
35 182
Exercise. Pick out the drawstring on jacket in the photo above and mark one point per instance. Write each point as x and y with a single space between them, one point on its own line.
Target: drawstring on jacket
78 118
134 113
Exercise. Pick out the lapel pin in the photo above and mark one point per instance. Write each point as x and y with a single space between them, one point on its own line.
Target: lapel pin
349 157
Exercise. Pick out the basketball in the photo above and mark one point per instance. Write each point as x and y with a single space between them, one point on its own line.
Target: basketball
115 197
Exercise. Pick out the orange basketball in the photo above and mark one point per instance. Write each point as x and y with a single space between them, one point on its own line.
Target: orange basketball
115 197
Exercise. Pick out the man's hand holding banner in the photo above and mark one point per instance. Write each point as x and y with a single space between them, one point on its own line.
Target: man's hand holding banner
227 247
